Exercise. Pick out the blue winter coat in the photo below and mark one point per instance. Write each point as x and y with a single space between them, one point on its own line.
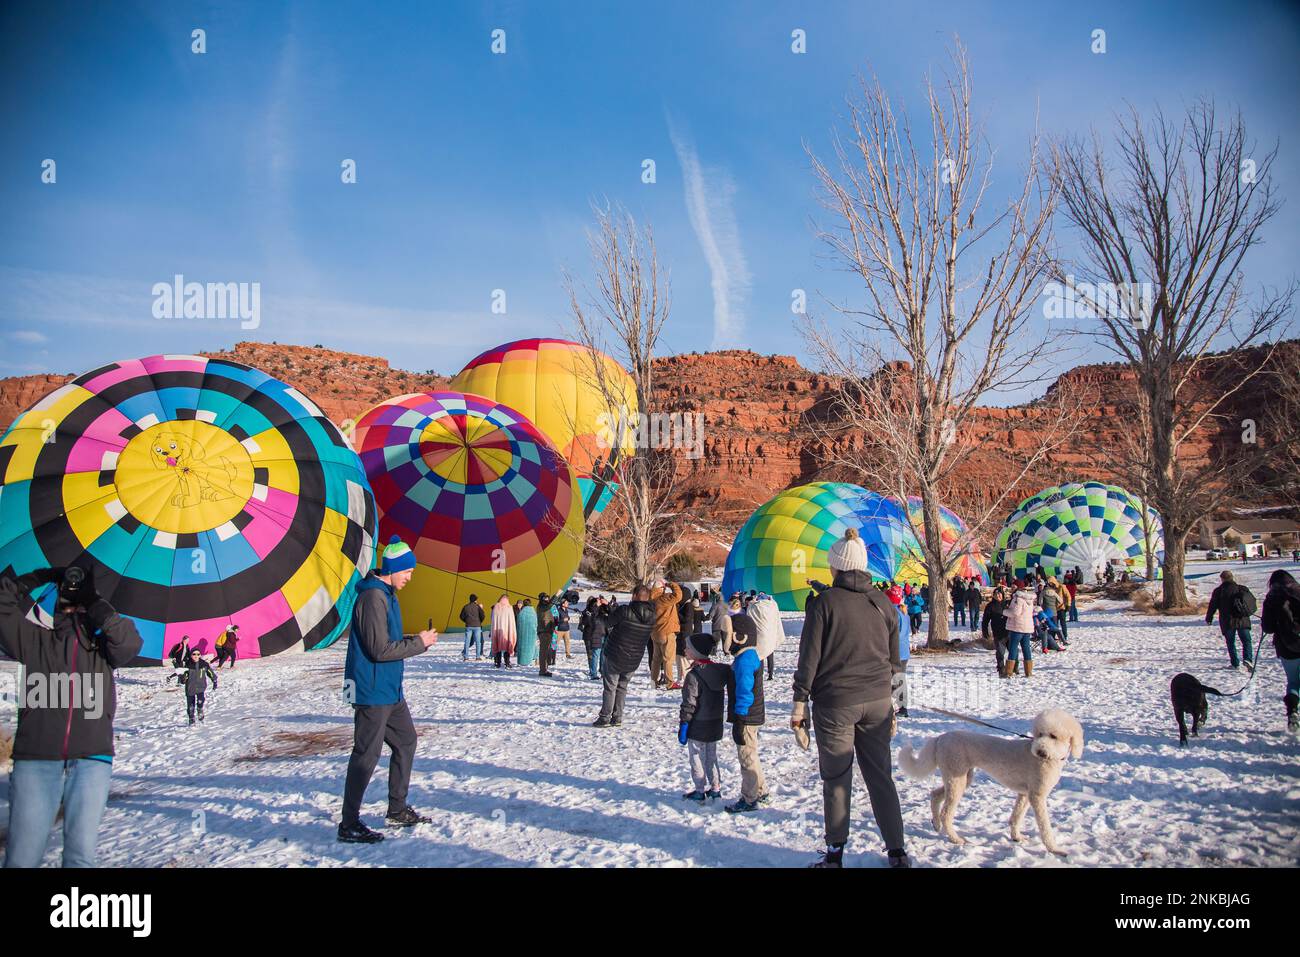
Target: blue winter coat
375 665
904 636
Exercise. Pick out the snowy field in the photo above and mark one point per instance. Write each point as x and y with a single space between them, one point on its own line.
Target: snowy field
512 774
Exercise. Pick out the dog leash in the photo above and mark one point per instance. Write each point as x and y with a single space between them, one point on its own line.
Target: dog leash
966 717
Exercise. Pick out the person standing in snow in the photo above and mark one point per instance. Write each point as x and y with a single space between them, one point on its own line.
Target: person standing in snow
700 718
195 679
526 628
1234 605
1072 586
993 627
562 629
592 623
504 634
849 652
957 592
1019 616
746 713
228 646
720 622
63 748
471 616
626 635
545 636
915 605
666 598
974 598
898 685
373 672
1281 619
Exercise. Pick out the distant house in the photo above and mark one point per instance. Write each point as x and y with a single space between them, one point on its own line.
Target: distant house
1280 532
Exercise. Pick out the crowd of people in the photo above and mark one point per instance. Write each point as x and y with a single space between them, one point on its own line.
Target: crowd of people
849 684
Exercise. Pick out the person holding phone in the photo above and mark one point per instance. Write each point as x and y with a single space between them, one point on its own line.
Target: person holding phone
373 674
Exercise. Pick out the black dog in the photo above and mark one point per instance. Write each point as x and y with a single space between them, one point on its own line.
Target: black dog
1188 696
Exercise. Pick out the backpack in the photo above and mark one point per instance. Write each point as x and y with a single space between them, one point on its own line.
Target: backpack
1242 604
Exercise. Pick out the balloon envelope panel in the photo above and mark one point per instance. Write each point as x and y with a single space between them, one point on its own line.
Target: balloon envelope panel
1088 525
202 493
559 387
971 563
787 541
483 498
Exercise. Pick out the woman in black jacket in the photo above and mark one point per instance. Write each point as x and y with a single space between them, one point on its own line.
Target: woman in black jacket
994 626
1280 618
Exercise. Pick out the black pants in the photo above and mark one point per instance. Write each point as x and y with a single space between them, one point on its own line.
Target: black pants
545 654
374 726
497 656
974 618
771 665
916 622
191 701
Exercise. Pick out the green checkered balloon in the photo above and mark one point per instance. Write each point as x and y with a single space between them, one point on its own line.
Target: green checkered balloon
1088 525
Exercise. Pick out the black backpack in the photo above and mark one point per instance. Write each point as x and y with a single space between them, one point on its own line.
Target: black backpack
1242 604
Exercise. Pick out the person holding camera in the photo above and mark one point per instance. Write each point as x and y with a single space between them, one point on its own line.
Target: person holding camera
63 752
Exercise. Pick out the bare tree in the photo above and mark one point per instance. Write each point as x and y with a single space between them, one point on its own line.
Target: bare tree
950 282
622 315
1164 232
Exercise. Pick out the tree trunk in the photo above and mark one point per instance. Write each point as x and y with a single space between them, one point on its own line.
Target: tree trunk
937 635
1175 590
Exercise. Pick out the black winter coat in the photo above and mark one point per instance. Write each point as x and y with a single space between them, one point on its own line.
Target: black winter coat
994 623
593 625
704 700
1281 619
88 645
627 635
848 652
1221 602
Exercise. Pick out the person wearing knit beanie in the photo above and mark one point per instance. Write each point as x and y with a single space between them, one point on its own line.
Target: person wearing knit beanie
373 672
849 554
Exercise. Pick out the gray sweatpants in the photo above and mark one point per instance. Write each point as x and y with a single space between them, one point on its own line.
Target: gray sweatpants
614 693
704 765
864 729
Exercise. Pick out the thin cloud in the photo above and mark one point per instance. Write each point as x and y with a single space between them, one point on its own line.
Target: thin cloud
709 195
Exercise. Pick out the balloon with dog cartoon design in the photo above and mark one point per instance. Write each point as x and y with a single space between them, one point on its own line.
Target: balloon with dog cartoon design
484 499
201 492
1087 525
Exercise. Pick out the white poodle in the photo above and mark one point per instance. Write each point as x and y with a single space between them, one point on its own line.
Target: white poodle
1030 768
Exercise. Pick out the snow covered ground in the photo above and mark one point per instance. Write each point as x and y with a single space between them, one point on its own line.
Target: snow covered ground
512 773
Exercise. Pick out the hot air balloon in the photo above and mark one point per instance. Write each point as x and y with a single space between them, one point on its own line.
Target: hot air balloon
202 493
970 563
484 499
787 540
587 409
1087 525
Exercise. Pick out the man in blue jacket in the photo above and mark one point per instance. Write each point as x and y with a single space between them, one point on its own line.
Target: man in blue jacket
373 683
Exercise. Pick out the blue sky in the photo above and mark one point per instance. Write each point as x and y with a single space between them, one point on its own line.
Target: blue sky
476 171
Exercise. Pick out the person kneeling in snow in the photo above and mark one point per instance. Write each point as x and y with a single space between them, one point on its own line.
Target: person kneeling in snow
701 716
745 712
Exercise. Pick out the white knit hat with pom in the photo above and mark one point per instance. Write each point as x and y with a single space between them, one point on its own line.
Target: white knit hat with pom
849 554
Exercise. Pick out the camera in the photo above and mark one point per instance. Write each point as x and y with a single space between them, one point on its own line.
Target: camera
73 581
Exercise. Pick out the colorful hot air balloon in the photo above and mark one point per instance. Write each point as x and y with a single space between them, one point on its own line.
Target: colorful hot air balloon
557 385
479 493
1086 525
787 541
970 564
202 493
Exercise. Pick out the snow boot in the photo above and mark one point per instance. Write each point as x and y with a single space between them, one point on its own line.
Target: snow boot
1029 669
600 723
898 859
713 795
358 833
616 722
697 796
1292 718
406 817
833 856
1013 668
740 807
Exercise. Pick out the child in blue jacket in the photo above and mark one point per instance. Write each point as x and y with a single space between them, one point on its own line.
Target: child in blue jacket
745 712
904 653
